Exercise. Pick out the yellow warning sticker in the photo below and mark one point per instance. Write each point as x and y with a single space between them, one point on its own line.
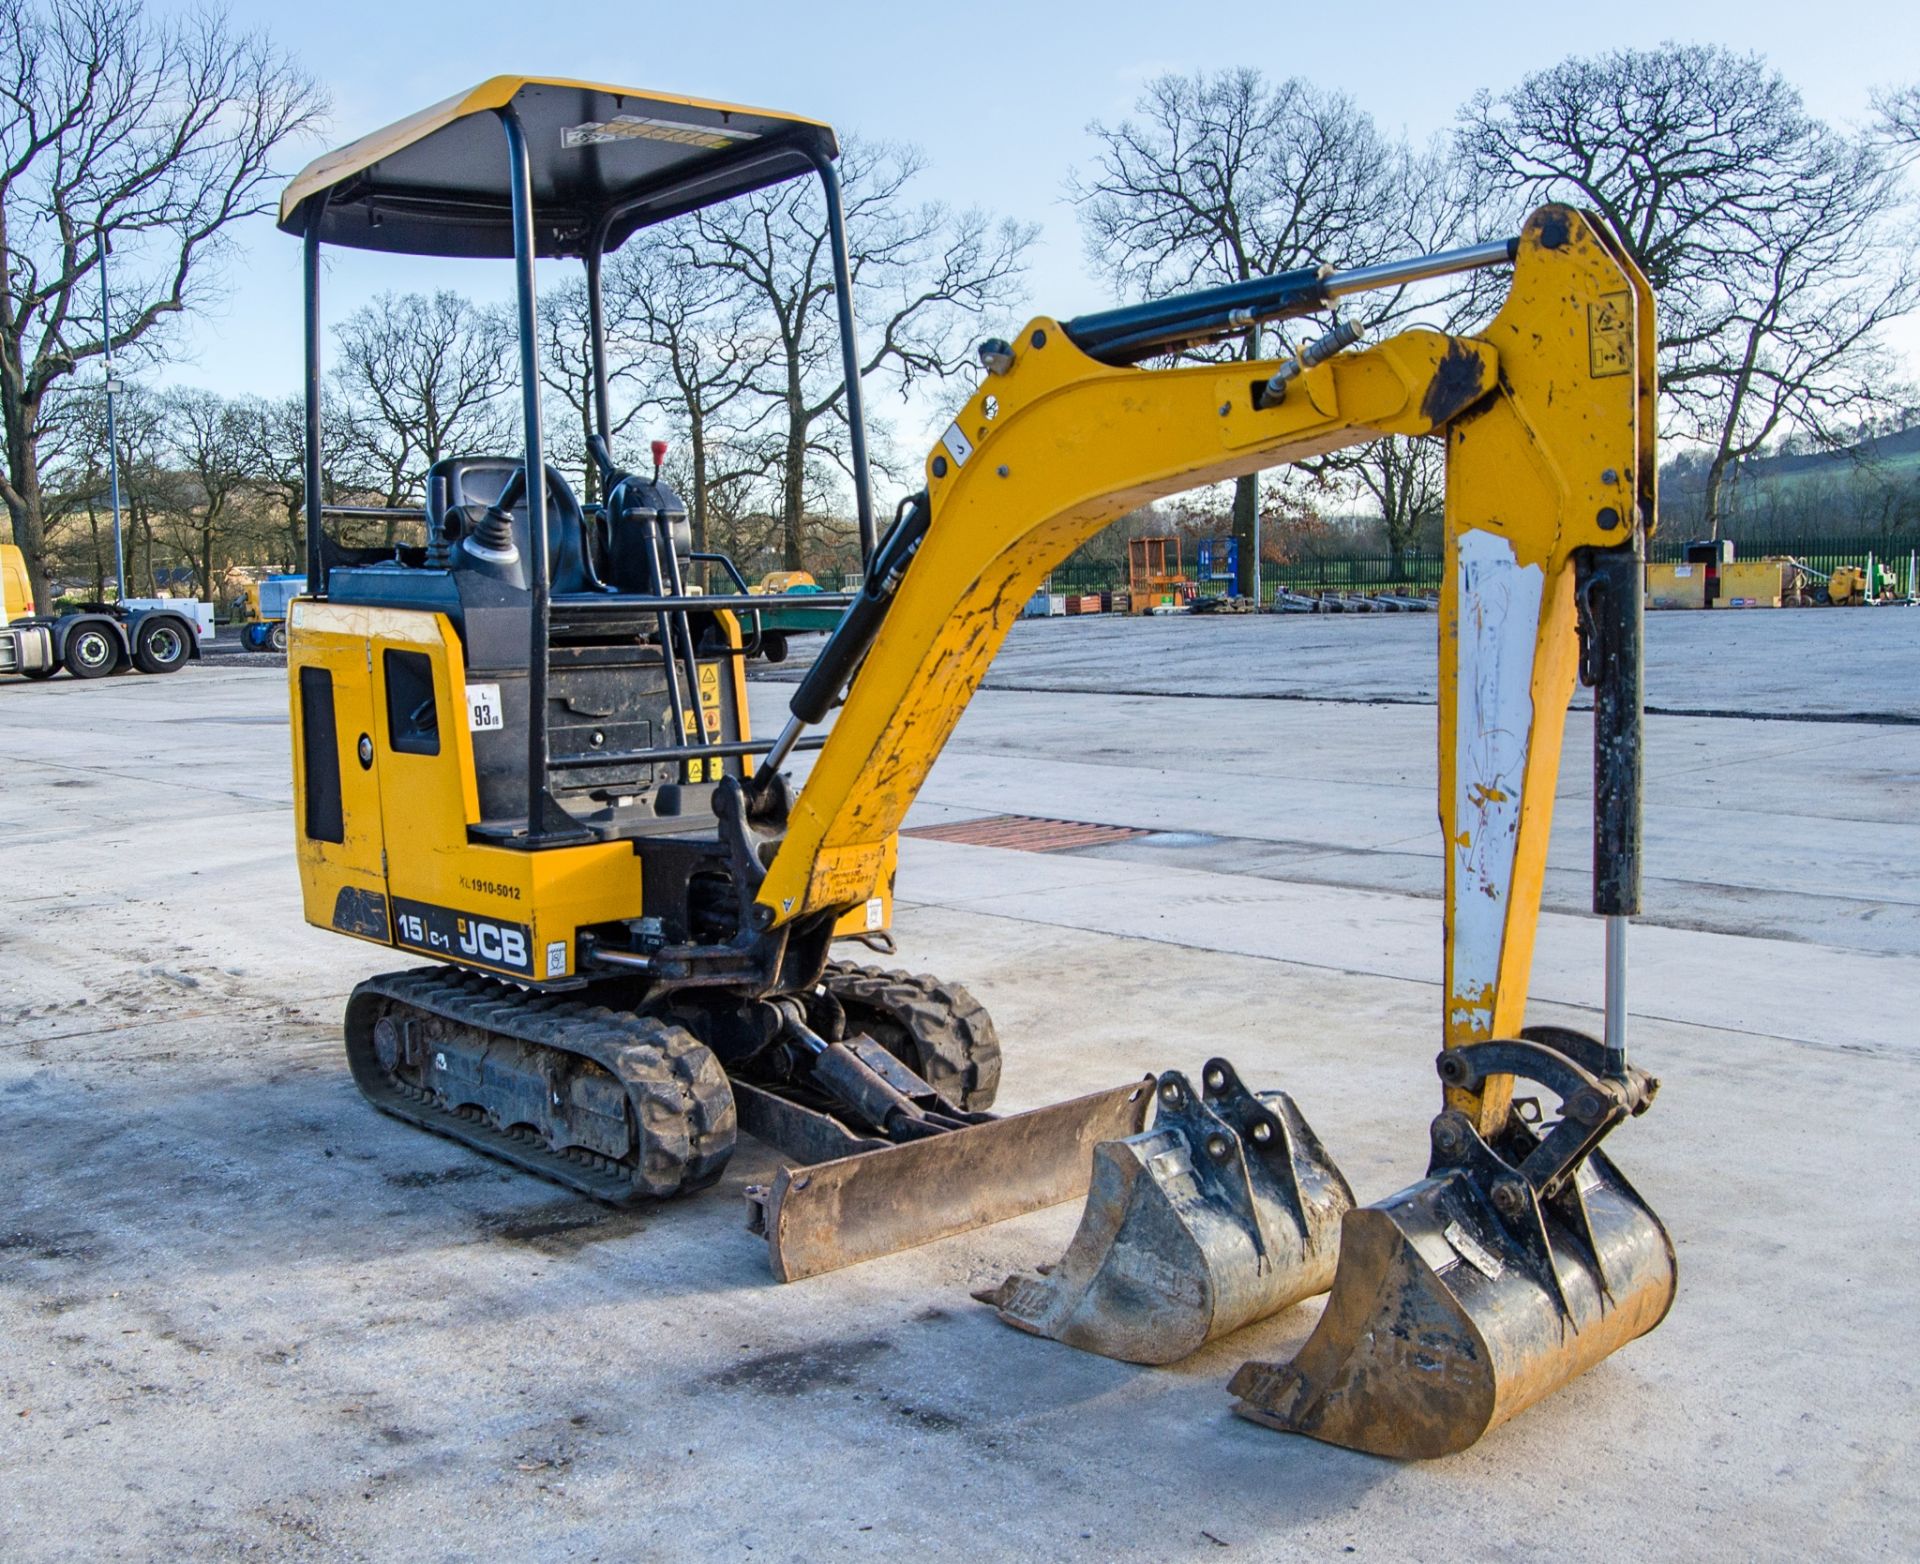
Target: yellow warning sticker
1610 335
696 771
845 876
709 684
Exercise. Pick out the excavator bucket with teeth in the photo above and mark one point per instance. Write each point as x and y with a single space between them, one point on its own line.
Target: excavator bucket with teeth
1477 1291
1226 1211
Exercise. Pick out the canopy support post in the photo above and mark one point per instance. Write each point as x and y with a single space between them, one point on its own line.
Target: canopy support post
310 471
545 821
849 350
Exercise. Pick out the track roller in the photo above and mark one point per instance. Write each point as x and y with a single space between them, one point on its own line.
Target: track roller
620 1107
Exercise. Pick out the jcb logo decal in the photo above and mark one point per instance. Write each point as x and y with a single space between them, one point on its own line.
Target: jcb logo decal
492 942
459 936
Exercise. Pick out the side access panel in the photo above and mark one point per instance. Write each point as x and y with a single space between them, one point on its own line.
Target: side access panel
499 910
337 826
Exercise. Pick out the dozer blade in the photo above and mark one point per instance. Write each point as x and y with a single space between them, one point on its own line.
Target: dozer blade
1226 1211
1463 1300
859 1207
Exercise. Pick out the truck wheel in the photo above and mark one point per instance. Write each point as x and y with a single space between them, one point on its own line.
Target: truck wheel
39 673
92 652
277 635
160 645
773 645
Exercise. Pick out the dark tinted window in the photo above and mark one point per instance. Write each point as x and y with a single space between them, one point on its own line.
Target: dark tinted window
413 723
320 757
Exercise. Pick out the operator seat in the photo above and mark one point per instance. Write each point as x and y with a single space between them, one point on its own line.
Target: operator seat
455 482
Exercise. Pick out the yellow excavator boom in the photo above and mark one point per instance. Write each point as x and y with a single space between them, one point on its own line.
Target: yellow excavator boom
1548 417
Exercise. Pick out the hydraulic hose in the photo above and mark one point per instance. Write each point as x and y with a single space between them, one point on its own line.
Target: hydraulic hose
853 636
1610 608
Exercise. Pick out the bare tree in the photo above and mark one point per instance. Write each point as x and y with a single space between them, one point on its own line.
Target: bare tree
149 488
151 137
421 378
924 279
73 459
1802 344
697 329
273 435
1222 178
566 370
207 439
1899 111
1769 238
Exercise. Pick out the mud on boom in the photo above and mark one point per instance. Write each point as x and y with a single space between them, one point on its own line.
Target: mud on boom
522 750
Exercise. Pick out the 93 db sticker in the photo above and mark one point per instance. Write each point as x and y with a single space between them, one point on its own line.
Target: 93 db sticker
484 713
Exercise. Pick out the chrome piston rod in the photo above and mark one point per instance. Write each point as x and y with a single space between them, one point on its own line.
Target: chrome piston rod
1615 1034
1419 268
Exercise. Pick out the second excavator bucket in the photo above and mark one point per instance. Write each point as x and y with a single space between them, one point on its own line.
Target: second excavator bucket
1475 1292
1226 1211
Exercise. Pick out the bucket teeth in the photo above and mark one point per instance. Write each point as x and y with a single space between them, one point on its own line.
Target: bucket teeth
1464 1299
1226 1211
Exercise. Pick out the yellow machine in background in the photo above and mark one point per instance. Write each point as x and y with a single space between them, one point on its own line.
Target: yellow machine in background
16 592
776 581
523 751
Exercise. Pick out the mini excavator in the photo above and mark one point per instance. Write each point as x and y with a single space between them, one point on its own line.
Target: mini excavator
522 751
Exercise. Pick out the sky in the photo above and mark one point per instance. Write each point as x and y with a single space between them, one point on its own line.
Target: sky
998 96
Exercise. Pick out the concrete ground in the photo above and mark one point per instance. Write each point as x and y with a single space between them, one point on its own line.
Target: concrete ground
241 1315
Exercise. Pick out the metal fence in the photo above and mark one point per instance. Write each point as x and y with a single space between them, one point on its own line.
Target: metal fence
1824 555
1414 573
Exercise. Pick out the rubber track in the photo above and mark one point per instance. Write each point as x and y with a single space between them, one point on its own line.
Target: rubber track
682 1106
958 1048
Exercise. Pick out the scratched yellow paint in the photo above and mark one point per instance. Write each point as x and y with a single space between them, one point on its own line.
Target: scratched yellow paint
1070 444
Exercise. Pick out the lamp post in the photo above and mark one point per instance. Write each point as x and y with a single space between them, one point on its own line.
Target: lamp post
113 443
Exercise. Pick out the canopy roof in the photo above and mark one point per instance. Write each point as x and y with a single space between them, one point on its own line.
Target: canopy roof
436 182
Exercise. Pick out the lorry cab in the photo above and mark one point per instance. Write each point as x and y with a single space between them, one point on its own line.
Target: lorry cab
155 635
16 592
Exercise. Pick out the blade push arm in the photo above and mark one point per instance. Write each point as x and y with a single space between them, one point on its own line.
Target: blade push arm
1547 415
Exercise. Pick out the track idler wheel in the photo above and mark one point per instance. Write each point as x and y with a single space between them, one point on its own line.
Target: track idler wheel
1513 1266
1226 1211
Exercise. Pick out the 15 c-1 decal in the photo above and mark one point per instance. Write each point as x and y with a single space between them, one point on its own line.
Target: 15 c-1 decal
462 937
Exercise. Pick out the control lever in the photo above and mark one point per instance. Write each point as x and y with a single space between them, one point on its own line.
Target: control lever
610 475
